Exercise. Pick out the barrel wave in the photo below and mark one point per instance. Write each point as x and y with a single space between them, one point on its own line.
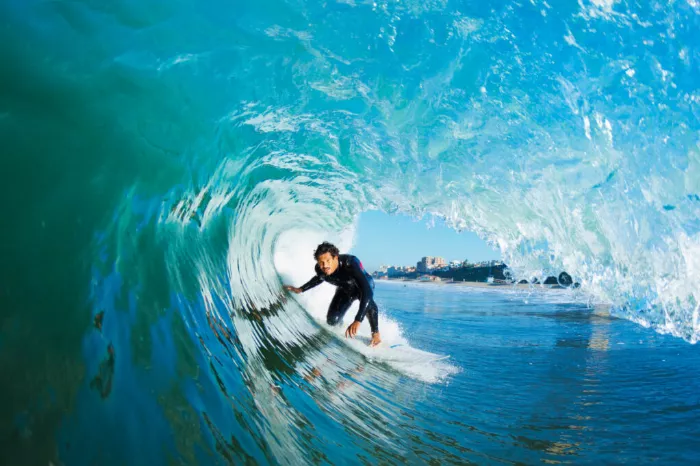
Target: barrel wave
169 165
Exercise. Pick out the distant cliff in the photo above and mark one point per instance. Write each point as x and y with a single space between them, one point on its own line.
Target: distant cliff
481 274
473 274
470 274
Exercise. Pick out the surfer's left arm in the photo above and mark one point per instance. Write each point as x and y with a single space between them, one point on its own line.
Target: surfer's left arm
367 306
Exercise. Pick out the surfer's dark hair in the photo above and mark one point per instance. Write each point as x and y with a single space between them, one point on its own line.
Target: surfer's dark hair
324 248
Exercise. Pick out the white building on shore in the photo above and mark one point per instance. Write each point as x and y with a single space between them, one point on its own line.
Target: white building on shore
429 263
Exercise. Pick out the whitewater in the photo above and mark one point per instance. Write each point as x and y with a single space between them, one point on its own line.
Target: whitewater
167 166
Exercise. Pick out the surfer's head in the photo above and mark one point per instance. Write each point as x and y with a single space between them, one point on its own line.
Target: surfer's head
326 256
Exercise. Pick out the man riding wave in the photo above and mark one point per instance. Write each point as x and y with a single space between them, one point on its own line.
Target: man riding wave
346 272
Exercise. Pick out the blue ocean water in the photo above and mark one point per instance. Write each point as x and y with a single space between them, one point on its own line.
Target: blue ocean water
545 379
167 166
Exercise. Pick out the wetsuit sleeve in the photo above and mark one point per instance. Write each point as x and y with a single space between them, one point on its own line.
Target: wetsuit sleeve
367 294
315 281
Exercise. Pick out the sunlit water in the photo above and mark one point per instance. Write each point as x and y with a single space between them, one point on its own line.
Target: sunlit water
545 379
539 378
167 166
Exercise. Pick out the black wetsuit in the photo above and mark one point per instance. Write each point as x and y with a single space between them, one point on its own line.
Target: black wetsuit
353 283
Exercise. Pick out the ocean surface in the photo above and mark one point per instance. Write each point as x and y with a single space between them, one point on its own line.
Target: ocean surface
166 166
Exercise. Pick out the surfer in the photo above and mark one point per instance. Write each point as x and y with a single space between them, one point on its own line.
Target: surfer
346 272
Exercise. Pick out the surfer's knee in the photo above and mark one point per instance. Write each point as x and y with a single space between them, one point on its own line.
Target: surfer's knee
332 319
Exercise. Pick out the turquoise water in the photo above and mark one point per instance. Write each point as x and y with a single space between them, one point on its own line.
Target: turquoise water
167 165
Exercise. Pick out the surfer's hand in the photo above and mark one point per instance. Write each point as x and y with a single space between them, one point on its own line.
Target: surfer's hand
292 289
376 339
352 329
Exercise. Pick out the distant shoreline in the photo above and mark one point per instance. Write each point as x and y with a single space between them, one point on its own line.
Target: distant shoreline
472 284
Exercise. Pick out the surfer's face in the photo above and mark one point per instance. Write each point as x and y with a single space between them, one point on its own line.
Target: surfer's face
327 263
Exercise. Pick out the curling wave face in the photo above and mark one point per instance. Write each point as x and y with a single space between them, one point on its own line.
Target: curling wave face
190 137
565 136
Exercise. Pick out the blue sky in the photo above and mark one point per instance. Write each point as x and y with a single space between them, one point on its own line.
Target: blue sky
400 240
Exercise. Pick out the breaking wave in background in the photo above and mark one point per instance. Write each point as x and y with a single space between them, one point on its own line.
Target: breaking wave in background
164 156
567 137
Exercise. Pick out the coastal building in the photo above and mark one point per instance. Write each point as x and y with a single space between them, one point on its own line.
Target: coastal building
429 262
393 271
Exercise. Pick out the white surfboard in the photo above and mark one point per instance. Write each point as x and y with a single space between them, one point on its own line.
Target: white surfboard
397 352
400 355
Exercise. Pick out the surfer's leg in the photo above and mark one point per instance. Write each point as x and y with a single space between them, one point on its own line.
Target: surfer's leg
338 307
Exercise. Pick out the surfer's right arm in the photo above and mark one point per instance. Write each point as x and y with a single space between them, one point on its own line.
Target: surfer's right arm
315 281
